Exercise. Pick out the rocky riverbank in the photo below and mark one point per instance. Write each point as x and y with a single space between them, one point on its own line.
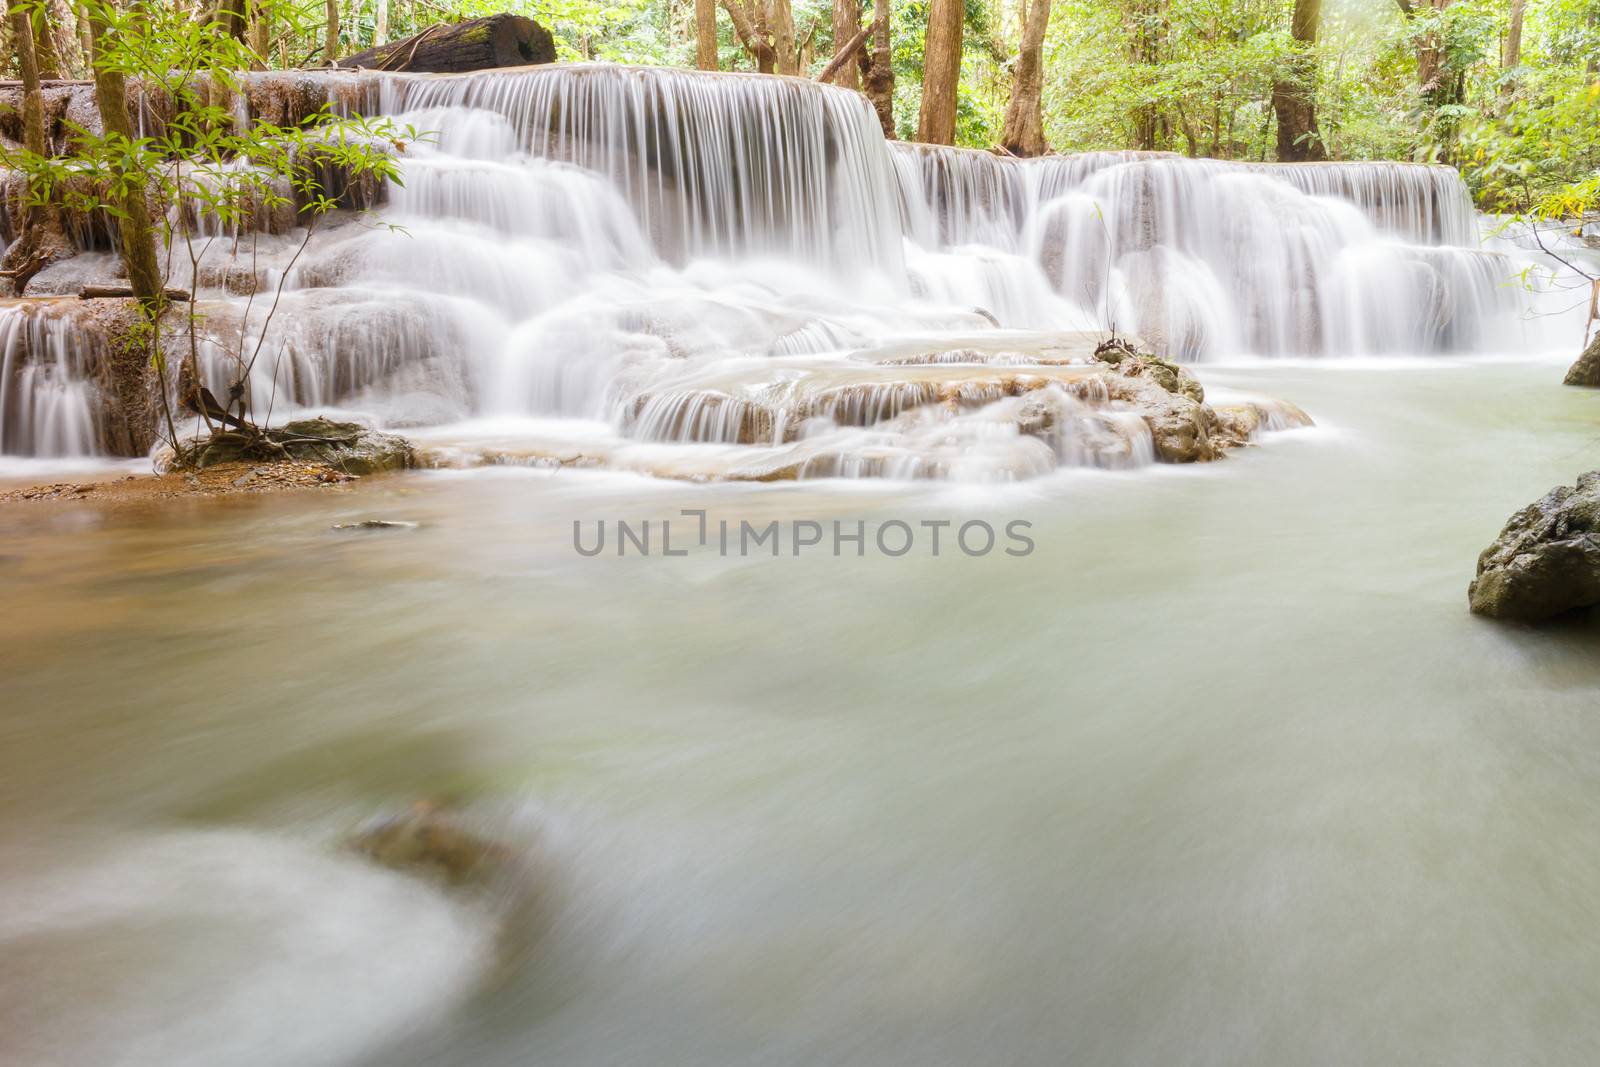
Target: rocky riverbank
219 480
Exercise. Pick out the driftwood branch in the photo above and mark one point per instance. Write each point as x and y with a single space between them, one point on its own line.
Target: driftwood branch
844 54
96 292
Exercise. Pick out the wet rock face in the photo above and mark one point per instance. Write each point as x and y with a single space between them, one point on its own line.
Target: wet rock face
1170 400
1547 559
1587 370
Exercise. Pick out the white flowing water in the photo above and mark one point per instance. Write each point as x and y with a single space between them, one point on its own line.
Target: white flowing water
1222 773
48 399
631 266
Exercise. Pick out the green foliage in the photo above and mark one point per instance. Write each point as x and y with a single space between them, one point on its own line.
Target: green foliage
200 155
1205 70
1542 155
202 170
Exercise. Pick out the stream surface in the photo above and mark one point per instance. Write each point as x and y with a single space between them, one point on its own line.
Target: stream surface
1222 773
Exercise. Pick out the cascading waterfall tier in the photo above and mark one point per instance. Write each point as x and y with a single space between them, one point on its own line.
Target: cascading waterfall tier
714 165
49 398
676 270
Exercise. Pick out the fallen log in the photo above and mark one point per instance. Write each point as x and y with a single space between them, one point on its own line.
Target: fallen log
96 292
445 48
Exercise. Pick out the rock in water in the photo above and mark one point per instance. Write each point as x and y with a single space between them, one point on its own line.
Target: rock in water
348 446
1587 370
1546 560
375 524
428 841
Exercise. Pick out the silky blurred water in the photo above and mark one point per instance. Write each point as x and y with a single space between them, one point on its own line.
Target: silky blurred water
1222 773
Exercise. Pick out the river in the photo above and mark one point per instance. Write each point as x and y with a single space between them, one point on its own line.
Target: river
1222 772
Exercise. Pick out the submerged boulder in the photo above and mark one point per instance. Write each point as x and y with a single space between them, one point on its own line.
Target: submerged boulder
1547 559
1587 370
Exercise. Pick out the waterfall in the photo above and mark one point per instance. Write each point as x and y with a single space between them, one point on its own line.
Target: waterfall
743 261
731 164
48 397
1202 256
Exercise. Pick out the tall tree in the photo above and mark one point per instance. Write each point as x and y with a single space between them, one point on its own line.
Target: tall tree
380 22
330 40
28 64
846 24
941 70
877 68
43 41
1149 23
229 17
705 34
1511 57
766 30
260 34
780 16
1439 81
41 240
1022 133
135 229
1294 92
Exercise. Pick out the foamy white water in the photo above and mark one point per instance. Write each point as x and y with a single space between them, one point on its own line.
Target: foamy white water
685 257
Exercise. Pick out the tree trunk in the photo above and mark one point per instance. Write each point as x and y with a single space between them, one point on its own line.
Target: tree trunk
941 71
41 239
229 17
46 62
135 231
260 34
330 39
1512 56
481 44
1022 134
780 16
62 21
28 64
1144 49
1294 94
135 227
1439 84
750 26
380 22
846 24
705 34
877 68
